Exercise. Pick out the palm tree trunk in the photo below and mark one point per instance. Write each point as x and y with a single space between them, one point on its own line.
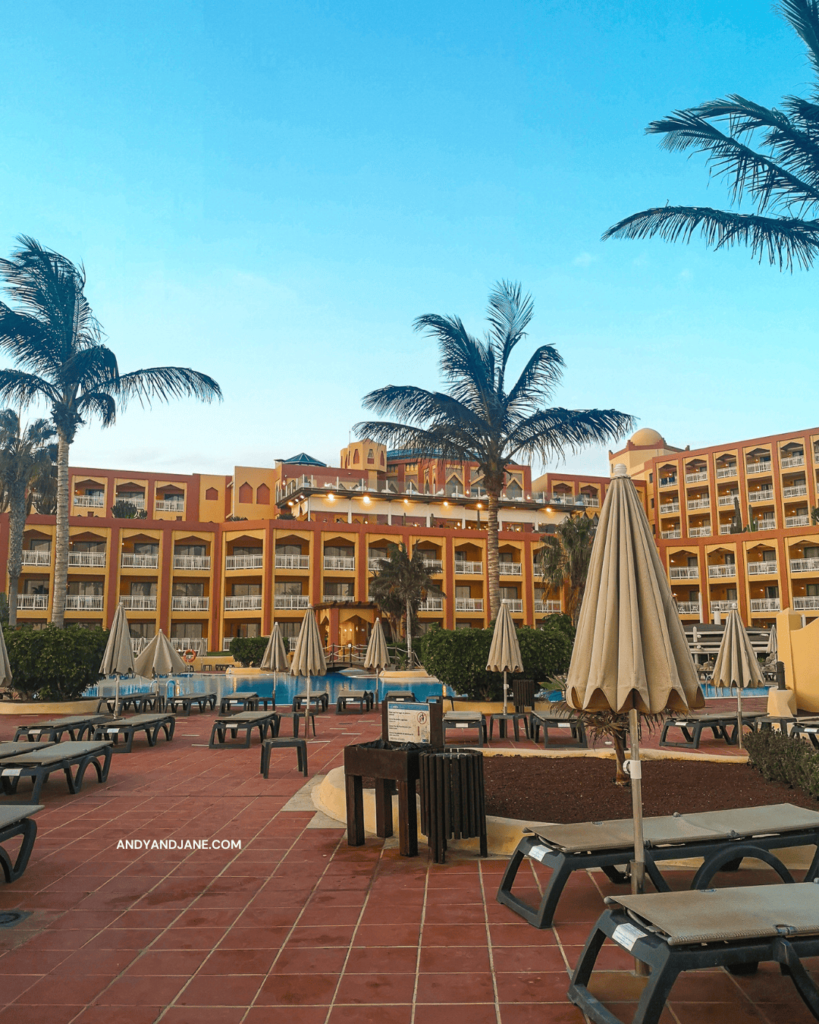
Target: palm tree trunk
17 519
61 536
492 497
409 634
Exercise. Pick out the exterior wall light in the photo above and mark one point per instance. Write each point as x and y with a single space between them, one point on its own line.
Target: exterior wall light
331 497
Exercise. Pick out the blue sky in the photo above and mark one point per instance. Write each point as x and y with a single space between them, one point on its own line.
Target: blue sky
272 192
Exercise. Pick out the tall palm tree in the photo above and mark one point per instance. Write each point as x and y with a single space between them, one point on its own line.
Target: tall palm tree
565 556
56 342
399 585
26 456
478 418
782 183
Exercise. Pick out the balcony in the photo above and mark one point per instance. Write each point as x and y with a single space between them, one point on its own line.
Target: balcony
688 607
138 602
32 602
805 604
762 605
167 505
695 478
721 570
86 559
725 528
374 564
190 604
797 491
765 495
432 604
130 561
726 472
723 606
339 564
192 563
668 481
84 602
244 562
684 572
768 523
138 502
37 558
793 461
791 521
515 605
291 602
764 568
468 568
244 603
86 501
753 468
669 507
670 534
433 565
805 565
186 643
698 503
338 598
727 499
510 568
700 531
589 500
468 604
547 607
292 561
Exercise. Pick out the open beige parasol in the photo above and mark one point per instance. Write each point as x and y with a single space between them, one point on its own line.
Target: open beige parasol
308 657
630 653
118 658
736 664
504 654
377 657
159 659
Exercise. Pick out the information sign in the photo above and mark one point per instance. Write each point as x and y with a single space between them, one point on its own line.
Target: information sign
407 723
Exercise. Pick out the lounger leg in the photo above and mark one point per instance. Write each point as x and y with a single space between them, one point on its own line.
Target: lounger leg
616 876
719 860
790 964
655 994
544 915
28 830
37 784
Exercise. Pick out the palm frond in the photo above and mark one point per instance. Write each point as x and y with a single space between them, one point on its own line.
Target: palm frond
803 16
553 433
536 384
433 444
467 365
98 404
22 389
509 314
163 383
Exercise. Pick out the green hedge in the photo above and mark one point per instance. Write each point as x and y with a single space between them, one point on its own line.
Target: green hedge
781 758
55 664
458 657
248 650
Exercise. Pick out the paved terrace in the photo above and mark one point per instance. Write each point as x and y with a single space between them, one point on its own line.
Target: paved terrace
296 927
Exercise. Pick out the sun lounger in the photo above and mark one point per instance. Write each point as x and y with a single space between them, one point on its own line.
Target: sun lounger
126 728
807 728
319 700
399 696
77 726
734 928
140 702
276 742
722 726
248 721
721 838
16 820
245 701
364 698
465 720
22 747
183 703
566 724
39 764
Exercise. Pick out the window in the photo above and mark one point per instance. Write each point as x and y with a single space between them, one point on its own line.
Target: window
211 494
810 551
651 478
370 455
190 550
246 494
338 590
693 595
730 558
463 592
355 456
460 556
96 546
731 593
186 631
188 590
143 588
652 502
506 557
246 589
508 593
338 552
288 587
770 556
142 630
149 548
240 550
289 629
89 588
692 561
288 549
772 592
39 544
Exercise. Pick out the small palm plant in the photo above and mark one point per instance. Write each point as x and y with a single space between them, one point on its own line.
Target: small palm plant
399 585
565 556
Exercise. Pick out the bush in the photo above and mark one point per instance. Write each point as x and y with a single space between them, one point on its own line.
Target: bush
781 758
55 664
248 650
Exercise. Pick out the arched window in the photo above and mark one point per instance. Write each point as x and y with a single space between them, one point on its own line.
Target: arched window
211 494
355 455
370 455
246 494
382 458
262 495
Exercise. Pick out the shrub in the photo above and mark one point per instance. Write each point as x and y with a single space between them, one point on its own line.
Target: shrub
55 664
248 650
781 758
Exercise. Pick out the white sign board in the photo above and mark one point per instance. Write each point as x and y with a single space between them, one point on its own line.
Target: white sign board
407 723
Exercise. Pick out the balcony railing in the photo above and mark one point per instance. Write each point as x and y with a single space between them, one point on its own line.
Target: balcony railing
432 604
669 507
291 601
244 603
32 602
766 495
726 472
722 570
338 598
668 481
468 604
195 563
765 604
726 499
797 491
725 528
763 568
805 565
688 607
374 564
684 572
766 524
723 606
433 565
138 602
339 564
698 503
244 562
37 557
86 559
131 561
547 607
515 604
589 500
791 521
86 501
753 468
292 561
805 604
510 568
695 478
164 505
190 604
670 534
84 602
468 568
186 643
793 461
136 502
700 531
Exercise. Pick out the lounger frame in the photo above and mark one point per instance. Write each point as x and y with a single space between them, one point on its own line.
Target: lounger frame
128 728
263 721
10 773
22 825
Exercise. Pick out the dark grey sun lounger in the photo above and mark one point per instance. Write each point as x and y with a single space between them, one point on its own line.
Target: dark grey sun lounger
734 928
125 728
77 726
722 838
16 820
22 747
567 725
247 721
465 720
722 726
140 702
185 701
39 764
364 698
245 701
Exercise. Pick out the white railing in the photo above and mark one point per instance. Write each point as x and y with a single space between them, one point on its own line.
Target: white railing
723 606
244 562
668 481
32 602
767 495
700 531
688 607
468 604
765 604
589 500
164 505
805 565
698 503
515 604
244 603
758 467
805 604
726 528
669 507
791 521
727 499
86 559
228 640
84 501
695 478
196 563
339 564
763 568
138 602
797 491
291 601
722 570
547 607
432 604
190 604
136 502
292 561
338 598
684 572
726 472
468 568
793 461
670 534
37 558
130 561
187 643
374 564
84 602
510 568
433 565
766 524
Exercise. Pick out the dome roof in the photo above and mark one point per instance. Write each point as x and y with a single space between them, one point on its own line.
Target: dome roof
647 436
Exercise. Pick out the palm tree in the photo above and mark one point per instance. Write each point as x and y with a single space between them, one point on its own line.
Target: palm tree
564 559
56 342
399 586
478 419
26 456
782 183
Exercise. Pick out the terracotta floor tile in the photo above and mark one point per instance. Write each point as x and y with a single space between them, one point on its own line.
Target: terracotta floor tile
453 935
453 959
163 962
455 988
288 1015
514 959
521 935
532 987
122 1015
384 960
383 1014
387 935
297 990
57 989
321 935
18 1013
449 1013
239 961
454 914
221 990
308 960
546 1013
716 1013
189 938
203 1015
376 988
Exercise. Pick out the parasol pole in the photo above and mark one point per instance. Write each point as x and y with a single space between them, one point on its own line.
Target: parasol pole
638 865
505 692
739 713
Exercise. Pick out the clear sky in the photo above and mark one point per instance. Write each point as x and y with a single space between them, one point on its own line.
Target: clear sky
272 191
